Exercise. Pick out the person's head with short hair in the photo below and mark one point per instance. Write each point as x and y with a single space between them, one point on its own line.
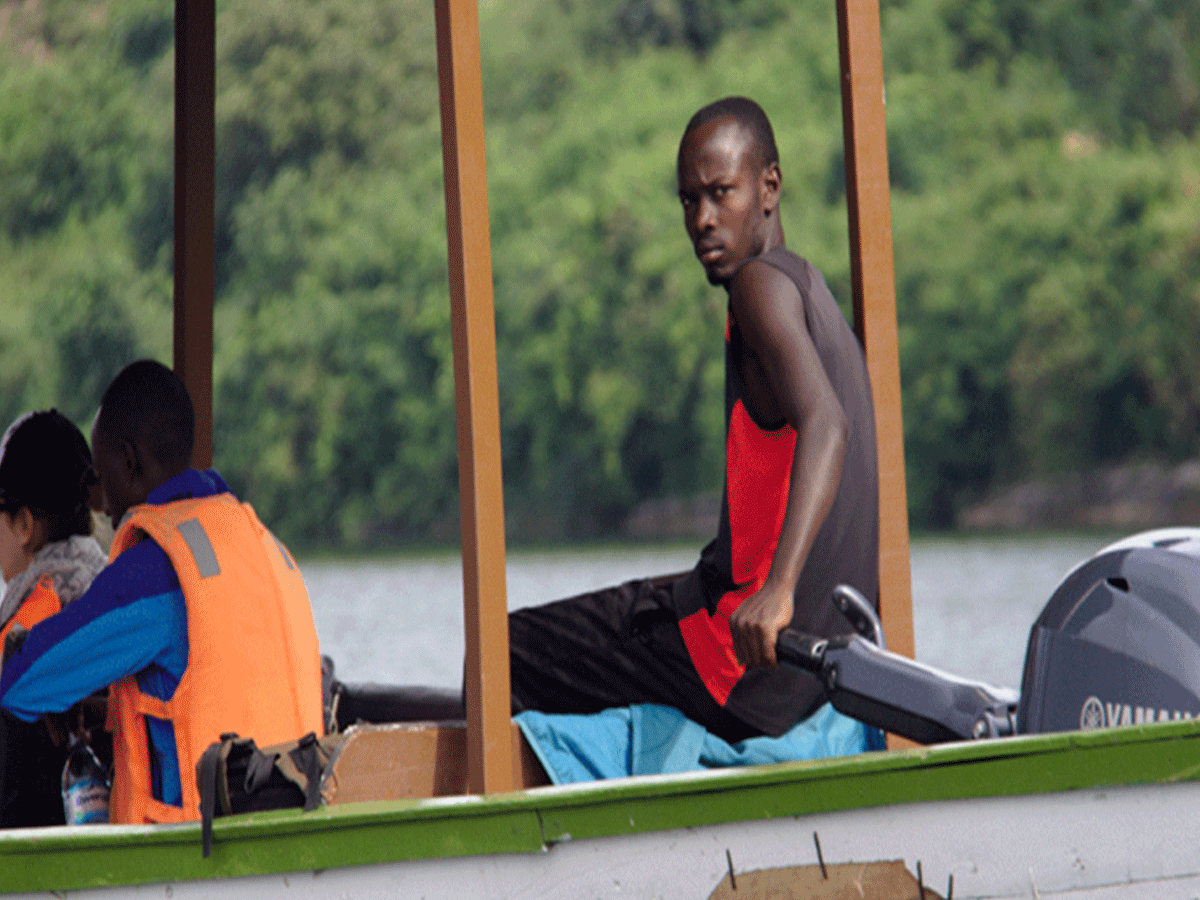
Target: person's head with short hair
142 436
729 184
46 479
749 115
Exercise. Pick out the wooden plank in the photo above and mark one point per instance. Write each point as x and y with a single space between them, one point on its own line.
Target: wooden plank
411 760
842 881
486 678
195 94
868 202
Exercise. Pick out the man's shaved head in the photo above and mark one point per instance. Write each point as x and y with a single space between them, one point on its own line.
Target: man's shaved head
148 406
749 115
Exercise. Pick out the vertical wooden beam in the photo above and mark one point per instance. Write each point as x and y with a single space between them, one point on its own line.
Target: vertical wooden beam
195 93
869 205
486 678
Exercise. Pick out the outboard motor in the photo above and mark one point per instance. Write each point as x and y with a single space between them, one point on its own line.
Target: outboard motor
1118 644
1119 641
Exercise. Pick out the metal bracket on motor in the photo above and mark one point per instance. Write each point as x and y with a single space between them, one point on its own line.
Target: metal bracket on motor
859 613
1000 721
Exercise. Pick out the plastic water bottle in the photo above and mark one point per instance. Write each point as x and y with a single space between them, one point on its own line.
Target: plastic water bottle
85 786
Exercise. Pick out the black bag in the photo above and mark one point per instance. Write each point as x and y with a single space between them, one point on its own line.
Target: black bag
235 776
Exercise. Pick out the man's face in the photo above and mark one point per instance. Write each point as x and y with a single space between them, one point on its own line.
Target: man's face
117 469
727 196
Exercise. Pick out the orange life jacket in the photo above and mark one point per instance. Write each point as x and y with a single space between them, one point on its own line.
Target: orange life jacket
41 603
253 663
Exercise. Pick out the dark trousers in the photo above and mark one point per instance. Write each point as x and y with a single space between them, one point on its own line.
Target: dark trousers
614 647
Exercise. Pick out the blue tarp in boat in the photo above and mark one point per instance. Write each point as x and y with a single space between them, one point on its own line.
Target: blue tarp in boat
648 739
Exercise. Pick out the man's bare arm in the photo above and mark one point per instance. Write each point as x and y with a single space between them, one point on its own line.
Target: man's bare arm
770 313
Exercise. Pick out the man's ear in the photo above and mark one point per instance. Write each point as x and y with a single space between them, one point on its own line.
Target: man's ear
96 496
131 460
770 183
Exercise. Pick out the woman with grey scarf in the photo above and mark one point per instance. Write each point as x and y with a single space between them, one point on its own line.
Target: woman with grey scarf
48 558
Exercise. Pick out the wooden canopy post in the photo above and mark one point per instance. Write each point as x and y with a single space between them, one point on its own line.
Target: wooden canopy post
486 678
195 144
868 202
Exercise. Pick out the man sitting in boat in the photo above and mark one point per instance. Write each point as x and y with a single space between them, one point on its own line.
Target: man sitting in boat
200 621
800 508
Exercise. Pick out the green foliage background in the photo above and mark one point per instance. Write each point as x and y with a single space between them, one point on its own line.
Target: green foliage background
1045 171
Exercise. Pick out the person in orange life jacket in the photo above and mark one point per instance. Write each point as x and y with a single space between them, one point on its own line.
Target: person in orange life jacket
799 512
200 622
47 552
48 558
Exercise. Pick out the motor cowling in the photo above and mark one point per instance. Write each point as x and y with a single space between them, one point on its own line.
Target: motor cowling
1119 641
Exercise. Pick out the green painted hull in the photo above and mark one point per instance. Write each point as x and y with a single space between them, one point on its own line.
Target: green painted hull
528 822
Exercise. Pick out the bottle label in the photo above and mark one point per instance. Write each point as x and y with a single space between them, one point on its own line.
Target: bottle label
86 802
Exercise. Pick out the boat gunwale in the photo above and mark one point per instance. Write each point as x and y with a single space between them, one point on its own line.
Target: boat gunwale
530 821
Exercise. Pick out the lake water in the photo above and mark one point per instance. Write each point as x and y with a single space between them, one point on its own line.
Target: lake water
399 620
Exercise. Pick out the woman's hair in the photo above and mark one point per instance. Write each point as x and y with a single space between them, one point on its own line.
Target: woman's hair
46 467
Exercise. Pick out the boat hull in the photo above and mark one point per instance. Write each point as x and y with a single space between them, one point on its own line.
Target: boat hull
1100 814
